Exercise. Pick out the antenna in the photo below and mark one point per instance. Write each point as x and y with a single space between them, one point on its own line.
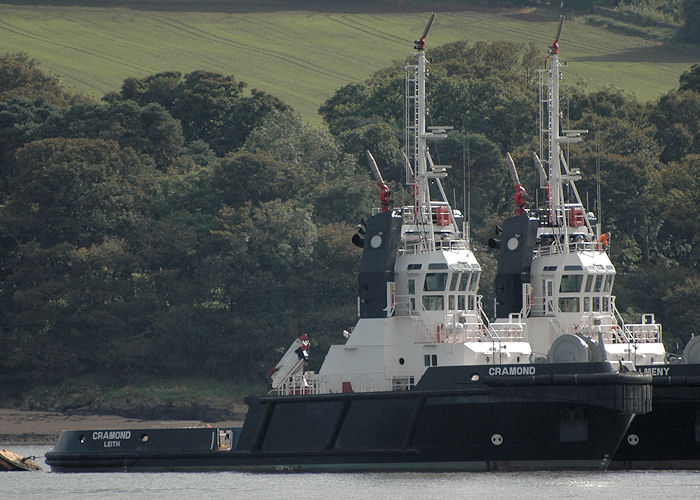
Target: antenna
599 225
554 49
420 43
407 166
375 169
385 196
521 197
469 190
465 221
540 170
512 170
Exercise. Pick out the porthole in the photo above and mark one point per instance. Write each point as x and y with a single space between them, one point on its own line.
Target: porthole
401 361
144 438
497 440
474 377
82 438
376 241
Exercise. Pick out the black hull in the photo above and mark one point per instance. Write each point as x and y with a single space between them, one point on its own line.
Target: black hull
542 422
669 436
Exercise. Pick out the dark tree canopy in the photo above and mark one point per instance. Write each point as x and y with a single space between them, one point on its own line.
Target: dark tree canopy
691 21
75 190
20 77
690 80
210 107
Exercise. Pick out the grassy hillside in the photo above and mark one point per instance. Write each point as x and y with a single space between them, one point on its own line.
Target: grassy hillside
304 56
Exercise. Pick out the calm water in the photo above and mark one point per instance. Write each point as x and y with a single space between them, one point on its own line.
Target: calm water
412 486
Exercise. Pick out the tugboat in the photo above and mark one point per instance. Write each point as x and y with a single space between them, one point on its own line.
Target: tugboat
554 274
556 279
424 382
669 436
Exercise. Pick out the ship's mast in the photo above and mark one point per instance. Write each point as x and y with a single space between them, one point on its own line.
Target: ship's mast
416 146
558 171
421 170
556 196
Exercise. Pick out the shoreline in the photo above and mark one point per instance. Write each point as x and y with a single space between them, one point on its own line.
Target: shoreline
29 427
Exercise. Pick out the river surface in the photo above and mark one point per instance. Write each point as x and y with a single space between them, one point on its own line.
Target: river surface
383 486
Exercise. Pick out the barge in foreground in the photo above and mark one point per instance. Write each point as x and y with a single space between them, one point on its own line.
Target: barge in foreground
423 382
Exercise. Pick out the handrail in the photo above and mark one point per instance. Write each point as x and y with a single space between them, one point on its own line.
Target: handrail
495 339
558 248
639 332
613 329
402 306
408 248
621 322
299 385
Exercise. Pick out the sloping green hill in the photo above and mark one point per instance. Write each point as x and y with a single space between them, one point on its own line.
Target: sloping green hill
304 56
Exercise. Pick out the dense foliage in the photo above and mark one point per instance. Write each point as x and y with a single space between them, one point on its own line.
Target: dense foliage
181 226
186 226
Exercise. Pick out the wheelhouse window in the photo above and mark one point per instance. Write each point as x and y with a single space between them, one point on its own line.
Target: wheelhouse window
608 283
474 281
462 302
435 282
571 283
438 265
589 282
569 304
464 282
434 302
598 283
451 303
411 287
586 304
454 281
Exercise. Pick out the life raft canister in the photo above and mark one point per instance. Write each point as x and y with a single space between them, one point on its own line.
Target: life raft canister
442 216
576 217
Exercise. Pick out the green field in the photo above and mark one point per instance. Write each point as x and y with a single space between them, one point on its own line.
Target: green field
304 56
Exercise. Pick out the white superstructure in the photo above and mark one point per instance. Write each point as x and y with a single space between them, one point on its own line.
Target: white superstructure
569 287
424 310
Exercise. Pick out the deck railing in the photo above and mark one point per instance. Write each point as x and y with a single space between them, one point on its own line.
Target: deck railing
557 248
299 385
646 331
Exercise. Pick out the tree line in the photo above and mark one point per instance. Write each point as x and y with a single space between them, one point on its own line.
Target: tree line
188 225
